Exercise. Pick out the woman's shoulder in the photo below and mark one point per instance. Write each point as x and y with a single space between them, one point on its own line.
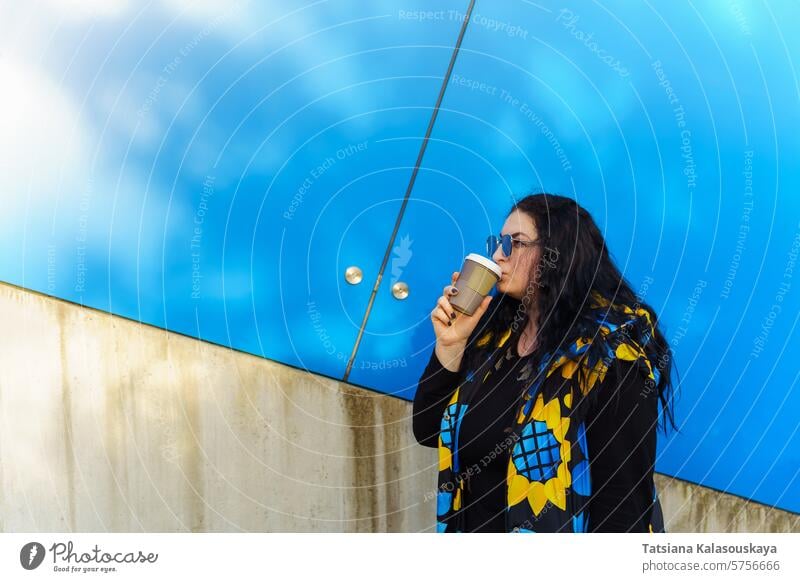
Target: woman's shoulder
606 347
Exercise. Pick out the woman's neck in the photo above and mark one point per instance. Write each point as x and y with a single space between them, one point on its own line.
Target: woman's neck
527 339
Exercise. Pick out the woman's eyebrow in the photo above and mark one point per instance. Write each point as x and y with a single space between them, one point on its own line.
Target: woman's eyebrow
513 234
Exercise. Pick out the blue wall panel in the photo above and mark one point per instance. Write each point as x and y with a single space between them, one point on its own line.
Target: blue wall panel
214 171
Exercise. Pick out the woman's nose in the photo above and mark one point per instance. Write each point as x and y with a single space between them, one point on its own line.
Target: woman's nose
498 255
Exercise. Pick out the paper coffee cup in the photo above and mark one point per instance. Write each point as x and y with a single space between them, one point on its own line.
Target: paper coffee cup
477 277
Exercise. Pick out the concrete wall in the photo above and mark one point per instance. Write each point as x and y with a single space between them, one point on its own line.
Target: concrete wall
692 508
110 425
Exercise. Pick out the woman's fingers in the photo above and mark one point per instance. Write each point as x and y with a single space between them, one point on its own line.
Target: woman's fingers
438 315
446 307
449 290
444 313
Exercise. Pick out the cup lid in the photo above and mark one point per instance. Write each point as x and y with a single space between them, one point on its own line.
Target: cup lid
488 263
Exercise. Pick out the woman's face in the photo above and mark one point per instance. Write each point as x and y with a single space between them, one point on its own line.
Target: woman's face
517 268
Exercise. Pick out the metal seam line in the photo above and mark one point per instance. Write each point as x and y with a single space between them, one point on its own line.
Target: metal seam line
411 181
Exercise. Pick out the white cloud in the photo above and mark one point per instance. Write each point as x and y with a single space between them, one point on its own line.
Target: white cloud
41 145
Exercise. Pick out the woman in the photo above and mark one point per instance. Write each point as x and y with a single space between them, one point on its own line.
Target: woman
544 403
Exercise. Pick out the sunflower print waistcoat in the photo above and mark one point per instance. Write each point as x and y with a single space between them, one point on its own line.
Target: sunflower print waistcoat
548 479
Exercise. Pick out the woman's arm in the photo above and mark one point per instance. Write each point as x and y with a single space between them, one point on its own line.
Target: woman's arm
435 388
621 438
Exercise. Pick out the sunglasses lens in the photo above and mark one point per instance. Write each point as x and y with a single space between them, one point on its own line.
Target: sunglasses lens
506 241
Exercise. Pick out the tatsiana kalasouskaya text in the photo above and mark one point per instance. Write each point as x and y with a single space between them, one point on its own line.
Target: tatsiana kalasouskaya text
708 549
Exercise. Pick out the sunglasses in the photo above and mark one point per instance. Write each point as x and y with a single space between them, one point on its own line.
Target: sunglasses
507 243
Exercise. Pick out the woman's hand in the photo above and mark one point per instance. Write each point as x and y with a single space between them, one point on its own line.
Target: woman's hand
452 328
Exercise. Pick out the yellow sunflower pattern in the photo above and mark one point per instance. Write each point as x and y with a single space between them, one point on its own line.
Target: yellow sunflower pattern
549 461
554 475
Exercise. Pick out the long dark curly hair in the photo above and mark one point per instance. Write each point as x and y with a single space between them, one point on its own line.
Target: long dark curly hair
575 263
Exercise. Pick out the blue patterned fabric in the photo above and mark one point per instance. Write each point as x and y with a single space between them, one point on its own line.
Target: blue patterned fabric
549 483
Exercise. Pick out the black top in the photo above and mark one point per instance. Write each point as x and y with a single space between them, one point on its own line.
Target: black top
620 436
